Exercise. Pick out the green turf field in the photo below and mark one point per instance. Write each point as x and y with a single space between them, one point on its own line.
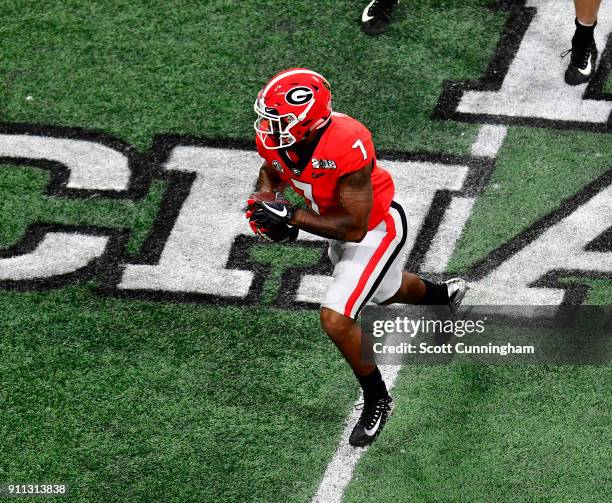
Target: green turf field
160 400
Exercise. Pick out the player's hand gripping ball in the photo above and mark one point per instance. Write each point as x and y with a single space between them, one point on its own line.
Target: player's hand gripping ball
271 224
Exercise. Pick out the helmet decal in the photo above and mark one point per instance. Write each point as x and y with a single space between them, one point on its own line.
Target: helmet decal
299 95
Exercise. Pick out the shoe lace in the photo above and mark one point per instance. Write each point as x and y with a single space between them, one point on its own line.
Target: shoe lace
382 9
580 56
371 412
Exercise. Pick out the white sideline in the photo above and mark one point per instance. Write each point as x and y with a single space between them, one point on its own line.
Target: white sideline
339 471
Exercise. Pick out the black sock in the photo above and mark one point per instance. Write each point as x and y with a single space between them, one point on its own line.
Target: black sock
372 385
584 34
435 294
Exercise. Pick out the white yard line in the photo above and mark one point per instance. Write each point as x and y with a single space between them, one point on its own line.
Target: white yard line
339 471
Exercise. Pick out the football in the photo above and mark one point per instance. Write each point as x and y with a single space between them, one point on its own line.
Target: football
278 233
282 233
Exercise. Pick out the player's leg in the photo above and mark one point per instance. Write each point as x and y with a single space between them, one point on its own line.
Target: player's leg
586 11
584 50
346 334
359 269
415 290
411 291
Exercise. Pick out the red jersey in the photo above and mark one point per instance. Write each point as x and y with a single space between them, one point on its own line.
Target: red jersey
344 146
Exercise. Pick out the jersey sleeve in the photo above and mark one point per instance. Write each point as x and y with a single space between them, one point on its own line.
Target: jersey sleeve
358 151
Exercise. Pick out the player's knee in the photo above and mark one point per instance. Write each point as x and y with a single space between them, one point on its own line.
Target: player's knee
334 324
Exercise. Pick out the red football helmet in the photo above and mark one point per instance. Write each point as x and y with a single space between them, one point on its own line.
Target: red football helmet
292 104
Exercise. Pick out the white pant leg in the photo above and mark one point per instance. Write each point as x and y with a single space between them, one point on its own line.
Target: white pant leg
370 270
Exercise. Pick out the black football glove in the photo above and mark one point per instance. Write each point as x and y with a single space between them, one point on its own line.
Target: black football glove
269 214
278 234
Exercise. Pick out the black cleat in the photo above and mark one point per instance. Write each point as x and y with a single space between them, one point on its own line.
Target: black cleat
372 420
377 15
582 63
456 288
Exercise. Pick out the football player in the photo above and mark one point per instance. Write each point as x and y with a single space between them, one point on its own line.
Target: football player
328 158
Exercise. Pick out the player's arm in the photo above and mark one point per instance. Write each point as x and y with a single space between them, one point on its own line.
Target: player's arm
269 180
351 224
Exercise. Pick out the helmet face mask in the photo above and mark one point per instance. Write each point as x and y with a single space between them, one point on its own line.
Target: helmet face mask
292 104
269 124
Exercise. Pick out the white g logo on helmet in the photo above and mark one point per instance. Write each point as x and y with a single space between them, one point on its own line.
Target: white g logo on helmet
299 95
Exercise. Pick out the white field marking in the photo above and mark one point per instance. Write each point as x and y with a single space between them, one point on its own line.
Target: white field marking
57 253
534 85
449 232
560 247
92 166
197 250
489 140
339 471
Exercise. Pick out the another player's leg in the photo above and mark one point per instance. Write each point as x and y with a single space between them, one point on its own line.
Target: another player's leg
584 50
346 335
377 15
415 290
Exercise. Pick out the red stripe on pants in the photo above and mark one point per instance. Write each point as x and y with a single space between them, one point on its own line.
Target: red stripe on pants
372 263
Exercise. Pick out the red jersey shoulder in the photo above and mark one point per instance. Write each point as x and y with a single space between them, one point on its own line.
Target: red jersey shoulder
348 143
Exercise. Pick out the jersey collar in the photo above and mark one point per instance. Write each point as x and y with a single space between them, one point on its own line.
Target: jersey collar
304 154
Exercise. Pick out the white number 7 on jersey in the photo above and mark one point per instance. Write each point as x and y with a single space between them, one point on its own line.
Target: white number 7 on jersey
359 144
